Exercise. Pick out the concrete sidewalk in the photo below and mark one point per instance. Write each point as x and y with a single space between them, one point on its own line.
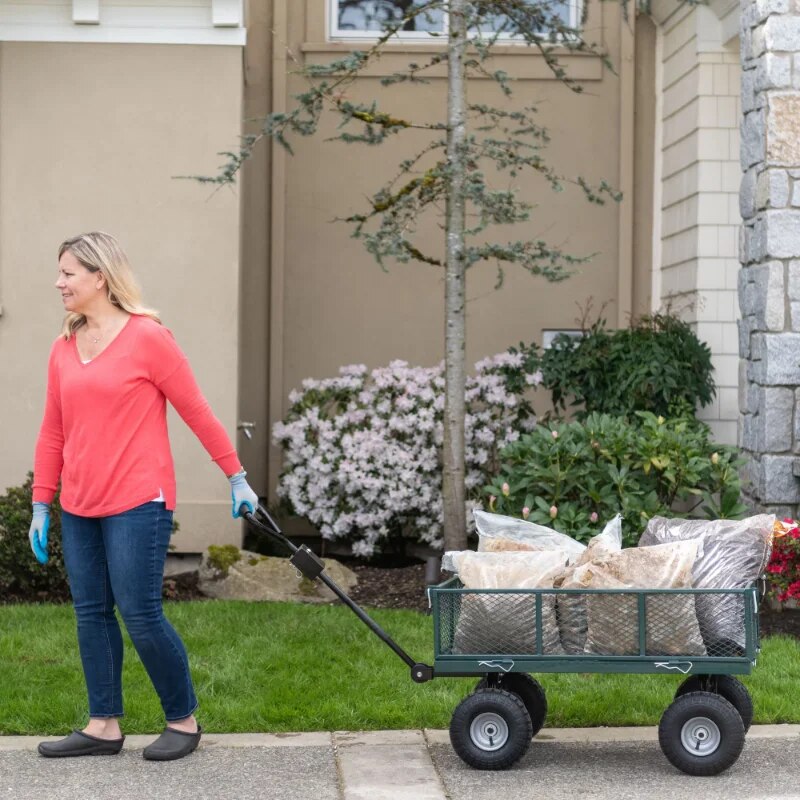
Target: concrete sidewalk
593 763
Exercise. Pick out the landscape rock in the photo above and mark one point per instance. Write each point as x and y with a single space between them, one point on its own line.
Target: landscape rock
256 577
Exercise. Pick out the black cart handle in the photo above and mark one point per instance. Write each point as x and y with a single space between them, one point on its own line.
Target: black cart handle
312 567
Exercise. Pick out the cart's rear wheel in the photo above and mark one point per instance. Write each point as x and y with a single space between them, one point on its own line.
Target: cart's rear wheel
733 690
529 690
701 733
491 729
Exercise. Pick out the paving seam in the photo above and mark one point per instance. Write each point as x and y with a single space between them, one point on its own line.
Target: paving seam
438 774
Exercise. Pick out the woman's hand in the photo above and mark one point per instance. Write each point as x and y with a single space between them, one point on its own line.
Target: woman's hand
38 532
242 494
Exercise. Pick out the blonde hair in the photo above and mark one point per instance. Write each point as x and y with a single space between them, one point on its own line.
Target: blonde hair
101 252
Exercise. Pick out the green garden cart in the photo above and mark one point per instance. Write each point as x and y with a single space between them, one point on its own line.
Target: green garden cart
500 637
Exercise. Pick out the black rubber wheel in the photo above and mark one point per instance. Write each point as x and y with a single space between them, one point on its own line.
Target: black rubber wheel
530 691
490 729
701 733
733 690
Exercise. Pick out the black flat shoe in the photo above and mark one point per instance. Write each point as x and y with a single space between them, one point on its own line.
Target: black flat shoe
81 744
172 744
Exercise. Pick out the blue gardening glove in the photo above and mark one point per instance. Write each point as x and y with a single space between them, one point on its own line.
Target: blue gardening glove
242 494
38 532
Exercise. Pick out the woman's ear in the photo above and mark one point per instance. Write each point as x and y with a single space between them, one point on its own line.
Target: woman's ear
101 281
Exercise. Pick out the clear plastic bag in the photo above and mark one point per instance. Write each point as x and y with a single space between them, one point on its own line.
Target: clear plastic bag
505 624
573 622
613 619
498 533
733 555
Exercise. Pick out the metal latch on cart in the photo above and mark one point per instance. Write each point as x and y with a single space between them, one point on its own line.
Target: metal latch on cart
307 562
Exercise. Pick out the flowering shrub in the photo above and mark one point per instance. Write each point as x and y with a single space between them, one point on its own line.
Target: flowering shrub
784 565
362 451
575 476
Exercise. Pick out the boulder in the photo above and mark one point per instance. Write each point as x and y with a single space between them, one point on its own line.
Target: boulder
252 576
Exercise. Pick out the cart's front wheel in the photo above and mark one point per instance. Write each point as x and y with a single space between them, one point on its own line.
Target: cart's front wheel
701 733
491 729
733 690
530 691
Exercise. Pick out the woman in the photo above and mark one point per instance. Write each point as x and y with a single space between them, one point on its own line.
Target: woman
104 434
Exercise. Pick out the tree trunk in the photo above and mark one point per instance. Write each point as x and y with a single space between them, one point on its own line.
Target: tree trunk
453 483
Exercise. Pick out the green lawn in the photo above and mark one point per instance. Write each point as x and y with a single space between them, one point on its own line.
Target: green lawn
283 667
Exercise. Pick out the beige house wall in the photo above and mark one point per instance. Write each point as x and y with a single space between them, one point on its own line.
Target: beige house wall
331 305
91 137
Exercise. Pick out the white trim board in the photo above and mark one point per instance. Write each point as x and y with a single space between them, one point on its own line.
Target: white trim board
124 21
98 34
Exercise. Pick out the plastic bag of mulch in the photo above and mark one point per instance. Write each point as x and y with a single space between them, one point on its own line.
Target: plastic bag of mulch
504 623
613 619
573 623
734 555
498 533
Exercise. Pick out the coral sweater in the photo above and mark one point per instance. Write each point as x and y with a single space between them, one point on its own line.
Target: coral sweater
104 431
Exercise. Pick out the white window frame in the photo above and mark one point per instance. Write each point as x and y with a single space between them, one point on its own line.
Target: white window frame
335 35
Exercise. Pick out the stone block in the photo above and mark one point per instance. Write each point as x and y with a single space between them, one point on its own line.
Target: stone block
781 231
794 311
744 387
755 241
793 289
779 364
779 188
747 193
745 328
752 476
796 447
753 141
758 41
774 71
765 8
779 482
774 420
764 297
783 129
748 433
781 33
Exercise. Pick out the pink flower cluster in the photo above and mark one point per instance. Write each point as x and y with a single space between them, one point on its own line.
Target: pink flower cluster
362 451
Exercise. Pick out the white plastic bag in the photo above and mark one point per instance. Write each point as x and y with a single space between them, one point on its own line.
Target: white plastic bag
498 533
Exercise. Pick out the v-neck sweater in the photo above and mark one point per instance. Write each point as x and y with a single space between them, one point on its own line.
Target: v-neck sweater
104 431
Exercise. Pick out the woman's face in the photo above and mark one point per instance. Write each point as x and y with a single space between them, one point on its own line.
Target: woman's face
79 286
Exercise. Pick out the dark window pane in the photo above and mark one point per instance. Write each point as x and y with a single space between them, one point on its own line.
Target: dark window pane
375 15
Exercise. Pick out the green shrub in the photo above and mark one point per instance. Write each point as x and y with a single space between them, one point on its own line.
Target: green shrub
657 364
22 577
575 476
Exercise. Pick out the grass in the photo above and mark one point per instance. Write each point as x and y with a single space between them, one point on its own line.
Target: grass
276 667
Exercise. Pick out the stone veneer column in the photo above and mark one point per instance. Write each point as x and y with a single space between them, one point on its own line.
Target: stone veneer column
769 281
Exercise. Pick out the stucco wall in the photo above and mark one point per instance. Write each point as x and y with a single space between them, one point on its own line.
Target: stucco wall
91 137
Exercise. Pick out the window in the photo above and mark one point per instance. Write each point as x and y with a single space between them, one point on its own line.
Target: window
365 19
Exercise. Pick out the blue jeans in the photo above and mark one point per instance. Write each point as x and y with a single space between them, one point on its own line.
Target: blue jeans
119 560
